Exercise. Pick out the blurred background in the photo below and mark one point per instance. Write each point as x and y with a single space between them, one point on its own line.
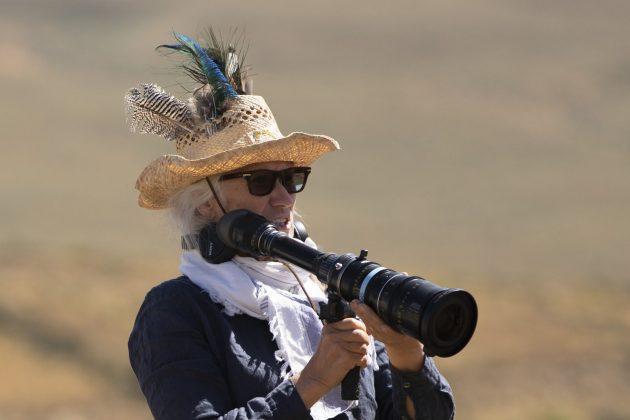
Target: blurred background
485 146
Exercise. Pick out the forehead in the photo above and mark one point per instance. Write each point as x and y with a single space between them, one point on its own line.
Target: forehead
274 166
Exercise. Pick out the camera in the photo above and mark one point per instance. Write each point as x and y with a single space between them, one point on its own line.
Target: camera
443 319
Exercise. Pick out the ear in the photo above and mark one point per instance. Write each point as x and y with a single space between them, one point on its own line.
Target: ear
210 210
206 210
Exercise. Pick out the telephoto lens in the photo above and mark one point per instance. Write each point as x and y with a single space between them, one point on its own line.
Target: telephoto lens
444 320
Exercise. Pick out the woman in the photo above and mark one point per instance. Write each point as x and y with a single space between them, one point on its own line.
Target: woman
236 337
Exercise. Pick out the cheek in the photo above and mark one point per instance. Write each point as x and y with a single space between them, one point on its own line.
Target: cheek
257 206
238 199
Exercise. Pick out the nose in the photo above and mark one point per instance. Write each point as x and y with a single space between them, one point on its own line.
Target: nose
280 197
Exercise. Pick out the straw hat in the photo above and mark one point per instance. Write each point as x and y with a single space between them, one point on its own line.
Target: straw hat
217 131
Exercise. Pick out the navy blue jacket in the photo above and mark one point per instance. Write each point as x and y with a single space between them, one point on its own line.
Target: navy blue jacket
195 362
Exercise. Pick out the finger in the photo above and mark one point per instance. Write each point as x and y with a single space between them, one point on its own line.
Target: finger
347 324
332 330
355 348
353 336
361 309
355 359
376 327
364 361
370 318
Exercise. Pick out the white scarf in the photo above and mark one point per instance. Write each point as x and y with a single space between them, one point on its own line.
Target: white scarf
268 290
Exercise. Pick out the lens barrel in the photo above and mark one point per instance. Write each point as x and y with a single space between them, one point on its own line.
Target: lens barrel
444 320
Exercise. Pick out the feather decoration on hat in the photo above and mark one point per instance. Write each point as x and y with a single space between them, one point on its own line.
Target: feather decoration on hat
206 71
218 68
216 79
231 63
229 56
151 110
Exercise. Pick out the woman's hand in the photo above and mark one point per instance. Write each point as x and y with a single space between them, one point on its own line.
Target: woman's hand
343 345
405 353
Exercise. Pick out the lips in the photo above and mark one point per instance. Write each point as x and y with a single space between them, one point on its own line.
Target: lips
282 223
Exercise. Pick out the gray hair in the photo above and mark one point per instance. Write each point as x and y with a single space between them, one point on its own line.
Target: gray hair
184 203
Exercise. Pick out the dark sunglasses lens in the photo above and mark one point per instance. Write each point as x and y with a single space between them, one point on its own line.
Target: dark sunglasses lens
295 181
261 183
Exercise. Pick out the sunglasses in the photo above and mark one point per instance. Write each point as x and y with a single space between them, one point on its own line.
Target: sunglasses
262 181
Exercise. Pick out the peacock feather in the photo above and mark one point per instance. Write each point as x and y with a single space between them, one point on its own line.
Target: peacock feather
230 56
218 67
151 110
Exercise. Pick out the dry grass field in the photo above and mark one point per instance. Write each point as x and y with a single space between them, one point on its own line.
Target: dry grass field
486 146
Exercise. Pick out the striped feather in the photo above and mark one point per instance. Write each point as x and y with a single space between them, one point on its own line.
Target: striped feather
151 110
231 64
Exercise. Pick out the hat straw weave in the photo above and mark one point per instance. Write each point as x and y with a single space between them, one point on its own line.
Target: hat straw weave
247 134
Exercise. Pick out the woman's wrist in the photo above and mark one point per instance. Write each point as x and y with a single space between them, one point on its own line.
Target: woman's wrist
310 390
407 359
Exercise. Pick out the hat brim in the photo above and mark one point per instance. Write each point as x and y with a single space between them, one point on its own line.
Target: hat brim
170 173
